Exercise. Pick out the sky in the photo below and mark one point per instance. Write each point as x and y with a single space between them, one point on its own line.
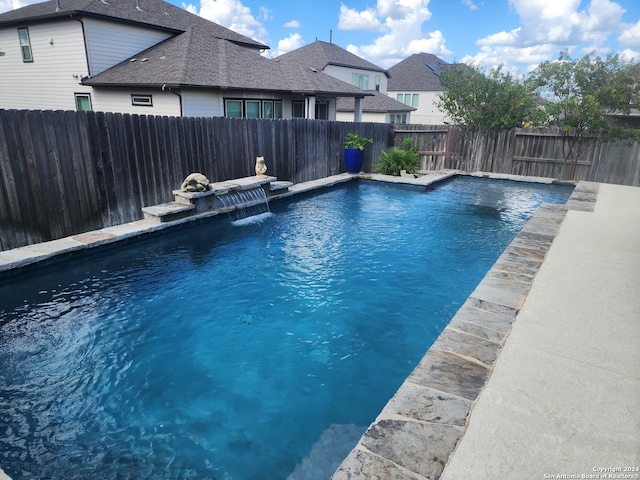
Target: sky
518 34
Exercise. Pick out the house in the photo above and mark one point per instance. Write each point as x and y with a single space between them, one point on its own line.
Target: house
343 65
414 81
149 57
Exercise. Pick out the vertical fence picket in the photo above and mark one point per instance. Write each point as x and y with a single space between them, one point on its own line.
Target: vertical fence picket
69 172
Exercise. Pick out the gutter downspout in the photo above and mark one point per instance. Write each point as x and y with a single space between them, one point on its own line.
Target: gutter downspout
169 89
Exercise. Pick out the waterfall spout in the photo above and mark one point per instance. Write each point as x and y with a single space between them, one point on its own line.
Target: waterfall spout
246 204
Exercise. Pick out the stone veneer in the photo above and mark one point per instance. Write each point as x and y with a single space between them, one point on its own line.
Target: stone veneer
420 426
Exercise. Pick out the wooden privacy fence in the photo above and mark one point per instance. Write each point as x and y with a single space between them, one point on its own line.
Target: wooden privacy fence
64 173
522 151
69 172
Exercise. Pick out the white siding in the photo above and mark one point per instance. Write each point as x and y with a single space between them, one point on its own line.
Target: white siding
372 117
110 43
202 103
427 113
346 75
119 100
50 81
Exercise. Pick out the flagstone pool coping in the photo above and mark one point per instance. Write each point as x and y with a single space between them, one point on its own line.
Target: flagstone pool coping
415 433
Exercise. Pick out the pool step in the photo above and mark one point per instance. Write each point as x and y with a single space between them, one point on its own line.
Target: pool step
276 188
167 212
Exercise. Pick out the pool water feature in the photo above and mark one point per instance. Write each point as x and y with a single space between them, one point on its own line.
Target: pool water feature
244 204
226 352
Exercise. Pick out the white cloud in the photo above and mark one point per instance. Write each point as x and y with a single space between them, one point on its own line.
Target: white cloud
629 55
470 4
400 22
232 14
511 56
285 45
292 24
501 38
351 19
395 9
549 26
630 36
6 5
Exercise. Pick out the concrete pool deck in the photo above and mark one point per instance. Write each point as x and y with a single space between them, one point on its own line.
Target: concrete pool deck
564 394
515 389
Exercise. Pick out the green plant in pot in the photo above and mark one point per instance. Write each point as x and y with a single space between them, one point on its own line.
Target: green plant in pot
395 159
354 151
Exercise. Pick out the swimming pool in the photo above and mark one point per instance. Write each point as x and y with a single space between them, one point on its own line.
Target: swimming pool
226 352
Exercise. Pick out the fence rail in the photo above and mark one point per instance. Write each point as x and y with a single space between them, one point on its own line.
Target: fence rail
522 151
64 173
69 172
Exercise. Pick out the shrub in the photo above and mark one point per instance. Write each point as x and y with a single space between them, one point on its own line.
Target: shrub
395 159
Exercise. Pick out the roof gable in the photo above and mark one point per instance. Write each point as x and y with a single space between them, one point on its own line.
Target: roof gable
320 54
419 72
151 13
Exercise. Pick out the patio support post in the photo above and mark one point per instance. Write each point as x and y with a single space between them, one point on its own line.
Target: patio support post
357 111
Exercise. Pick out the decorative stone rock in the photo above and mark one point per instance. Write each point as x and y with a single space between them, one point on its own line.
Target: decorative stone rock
261 167
195 182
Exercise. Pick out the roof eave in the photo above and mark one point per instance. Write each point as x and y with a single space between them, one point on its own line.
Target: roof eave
344 65
78 14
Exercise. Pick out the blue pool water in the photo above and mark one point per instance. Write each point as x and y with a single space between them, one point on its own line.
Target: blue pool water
225 352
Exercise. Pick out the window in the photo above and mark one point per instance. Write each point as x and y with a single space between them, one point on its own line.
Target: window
398 118
233 108
360 80
408 99
297 109
377 83
25 45
277 110
267 109
142 100
83 102
253 108
322 110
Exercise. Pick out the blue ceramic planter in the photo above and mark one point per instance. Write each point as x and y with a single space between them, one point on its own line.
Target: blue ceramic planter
353 158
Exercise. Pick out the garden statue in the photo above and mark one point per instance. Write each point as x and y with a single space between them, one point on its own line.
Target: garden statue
195 182
261 168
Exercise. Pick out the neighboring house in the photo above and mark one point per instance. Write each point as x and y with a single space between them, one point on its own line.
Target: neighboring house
347 67
414 81
149 57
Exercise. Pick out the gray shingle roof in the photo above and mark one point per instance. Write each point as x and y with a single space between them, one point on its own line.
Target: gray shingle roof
153 13
379 102
416 73
320 54
197 59
200 54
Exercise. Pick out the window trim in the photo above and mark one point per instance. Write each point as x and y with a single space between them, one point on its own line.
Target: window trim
84 95
360 80
141 100
26 45
275 103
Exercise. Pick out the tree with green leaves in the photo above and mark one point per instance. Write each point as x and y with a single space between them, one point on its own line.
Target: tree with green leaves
496 100
581 96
